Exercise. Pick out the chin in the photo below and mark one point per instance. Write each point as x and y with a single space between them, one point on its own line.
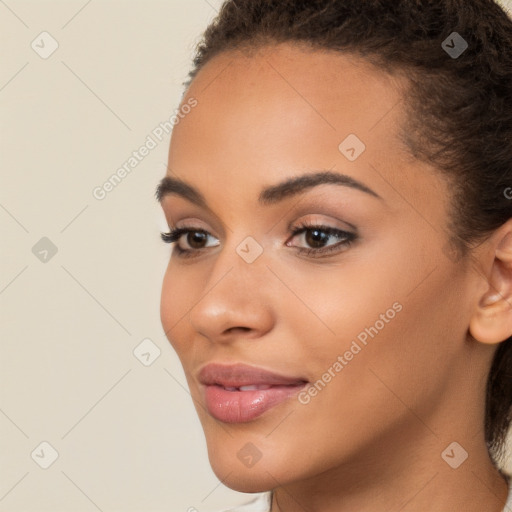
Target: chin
248 480
243 467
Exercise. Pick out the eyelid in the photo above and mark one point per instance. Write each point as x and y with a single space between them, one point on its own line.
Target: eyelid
327 210
191 223
327 221
190 215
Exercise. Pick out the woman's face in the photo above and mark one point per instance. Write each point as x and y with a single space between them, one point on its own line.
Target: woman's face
367 330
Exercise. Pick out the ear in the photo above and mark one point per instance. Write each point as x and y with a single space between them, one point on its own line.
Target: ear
491 321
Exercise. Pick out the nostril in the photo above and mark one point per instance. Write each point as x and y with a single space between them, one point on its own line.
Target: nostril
243 329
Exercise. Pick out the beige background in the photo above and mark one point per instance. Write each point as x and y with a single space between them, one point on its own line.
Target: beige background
126 434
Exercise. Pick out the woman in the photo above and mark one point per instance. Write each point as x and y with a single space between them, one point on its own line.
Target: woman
340 286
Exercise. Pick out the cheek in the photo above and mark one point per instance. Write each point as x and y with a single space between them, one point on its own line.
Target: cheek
175 301
337 302
399 348
386 317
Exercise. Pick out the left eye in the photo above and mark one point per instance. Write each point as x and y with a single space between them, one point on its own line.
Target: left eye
316 236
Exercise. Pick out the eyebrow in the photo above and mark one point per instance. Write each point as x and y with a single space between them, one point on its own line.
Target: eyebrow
269 195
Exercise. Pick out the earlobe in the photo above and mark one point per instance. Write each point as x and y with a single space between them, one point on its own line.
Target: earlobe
491 321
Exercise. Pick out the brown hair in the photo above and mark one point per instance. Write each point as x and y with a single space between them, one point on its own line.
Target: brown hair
459 115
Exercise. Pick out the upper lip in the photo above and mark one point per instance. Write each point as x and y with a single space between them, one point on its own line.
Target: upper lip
237 375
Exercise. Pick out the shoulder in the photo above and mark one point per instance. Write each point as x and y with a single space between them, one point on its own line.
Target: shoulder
259 504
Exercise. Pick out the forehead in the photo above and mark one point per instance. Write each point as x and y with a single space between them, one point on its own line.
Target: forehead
326 89
284 95
283 110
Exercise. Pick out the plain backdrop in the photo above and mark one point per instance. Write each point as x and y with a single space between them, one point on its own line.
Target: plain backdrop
94 408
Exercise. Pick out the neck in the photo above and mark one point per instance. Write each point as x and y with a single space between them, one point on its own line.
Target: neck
410 477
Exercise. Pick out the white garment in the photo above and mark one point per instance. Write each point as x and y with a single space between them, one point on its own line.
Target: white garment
508 506
262 503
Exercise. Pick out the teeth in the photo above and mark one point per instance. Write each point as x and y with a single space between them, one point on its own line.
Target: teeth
254 388
248 388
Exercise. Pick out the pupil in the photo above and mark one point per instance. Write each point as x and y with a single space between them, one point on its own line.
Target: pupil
316 240
195 237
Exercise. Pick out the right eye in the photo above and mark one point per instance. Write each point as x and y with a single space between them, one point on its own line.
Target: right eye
194 236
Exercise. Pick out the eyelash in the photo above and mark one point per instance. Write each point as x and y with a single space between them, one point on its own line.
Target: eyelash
175 234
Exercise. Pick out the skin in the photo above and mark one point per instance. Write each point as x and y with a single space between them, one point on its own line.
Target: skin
372 438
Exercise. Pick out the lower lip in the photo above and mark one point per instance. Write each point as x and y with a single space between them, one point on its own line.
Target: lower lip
244 406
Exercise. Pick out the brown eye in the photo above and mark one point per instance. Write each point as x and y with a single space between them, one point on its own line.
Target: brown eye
195 239
316 237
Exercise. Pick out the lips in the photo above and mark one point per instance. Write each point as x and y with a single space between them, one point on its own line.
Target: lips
240 393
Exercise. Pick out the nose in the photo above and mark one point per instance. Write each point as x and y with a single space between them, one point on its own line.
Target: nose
235 302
